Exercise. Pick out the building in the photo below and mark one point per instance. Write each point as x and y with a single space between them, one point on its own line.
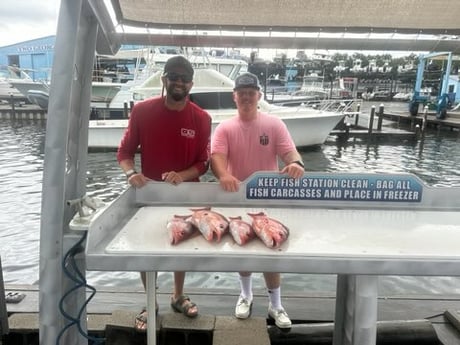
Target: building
34 57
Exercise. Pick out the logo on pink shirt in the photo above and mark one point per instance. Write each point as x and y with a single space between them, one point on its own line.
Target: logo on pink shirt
263 139
188 133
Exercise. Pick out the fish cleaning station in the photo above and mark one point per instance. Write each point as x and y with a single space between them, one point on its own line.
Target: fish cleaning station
358 226
355 225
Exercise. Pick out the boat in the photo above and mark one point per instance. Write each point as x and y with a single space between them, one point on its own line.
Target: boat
213 91
101 92
313 88
23 85
129 92
39 98
9 74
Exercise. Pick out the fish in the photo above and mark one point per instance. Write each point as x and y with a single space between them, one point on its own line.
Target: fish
241 231
272 232
212 225
179 229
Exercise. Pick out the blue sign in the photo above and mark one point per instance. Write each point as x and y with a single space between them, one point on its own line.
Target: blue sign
344 187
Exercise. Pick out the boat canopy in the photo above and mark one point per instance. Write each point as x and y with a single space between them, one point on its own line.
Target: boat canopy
347 24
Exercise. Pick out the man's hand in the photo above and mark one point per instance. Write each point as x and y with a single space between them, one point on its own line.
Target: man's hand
229 183
172 177
294 170
138 180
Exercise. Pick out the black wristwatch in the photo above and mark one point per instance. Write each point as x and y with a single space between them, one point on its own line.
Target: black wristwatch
130 173
299 163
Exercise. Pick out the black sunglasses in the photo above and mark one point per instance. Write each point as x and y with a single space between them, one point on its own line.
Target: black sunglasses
172 76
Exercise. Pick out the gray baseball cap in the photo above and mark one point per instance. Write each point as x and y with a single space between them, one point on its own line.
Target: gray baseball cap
246 80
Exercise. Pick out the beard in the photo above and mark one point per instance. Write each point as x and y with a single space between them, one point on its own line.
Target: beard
176 94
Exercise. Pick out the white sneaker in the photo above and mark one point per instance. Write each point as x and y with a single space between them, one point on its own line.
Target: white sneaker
243 308
280 316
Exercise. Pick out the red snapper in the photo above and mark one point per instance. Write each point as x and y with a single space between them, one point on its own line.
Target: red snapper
241 231
212 225
272 232
179 229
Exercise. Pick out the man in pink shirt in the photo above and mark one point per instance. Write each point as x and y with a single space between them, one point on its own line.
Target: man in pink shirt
173 136
253 141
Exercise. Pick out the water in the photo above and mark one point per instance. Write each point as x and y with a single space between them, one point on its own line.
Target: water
435 161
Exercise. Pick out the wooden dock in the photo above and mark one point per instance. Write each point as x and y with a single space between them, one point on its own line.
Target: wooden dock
451 122
22 111
409 319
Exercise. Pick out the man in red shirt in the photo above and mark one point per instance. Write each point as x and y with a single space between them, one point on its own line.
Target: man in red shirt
173 136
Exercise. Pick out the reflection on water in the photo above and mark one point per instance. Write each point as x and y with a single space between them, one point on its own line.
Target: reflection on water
435 161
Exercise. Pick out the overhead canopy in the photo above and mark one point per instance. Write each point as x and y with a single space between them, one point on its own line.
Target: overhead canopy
411 25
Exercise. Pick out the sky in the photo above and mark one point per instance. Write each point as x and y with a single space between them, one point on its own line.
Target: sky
23 20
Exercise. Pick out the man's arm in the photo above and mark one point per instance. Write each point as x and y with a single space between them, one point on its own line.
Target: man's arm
227 181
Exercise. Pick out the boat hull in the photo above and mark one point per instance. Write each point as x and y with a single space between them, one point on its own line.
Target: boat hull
305 130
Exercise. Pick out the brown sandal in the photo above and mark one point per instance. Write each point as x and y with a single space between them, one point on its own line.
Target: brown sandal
140 322
183 305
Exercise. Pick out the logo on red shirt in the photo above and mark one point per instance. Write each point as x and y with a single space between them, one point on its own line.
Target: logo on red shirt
188 133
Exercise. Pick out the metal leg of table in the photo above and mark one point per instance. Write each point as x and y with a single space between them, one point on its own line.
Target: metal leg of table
151 315
356 310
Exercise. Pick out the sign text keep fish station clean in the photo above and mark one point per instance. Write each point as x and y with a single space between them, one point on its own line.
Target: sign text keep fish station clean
392 188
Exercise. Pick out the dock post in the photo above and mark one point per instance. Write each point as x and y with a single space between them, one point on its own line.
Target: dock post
371 120
425 118
418 132
358 109
125 109
131 106
13 109
379 122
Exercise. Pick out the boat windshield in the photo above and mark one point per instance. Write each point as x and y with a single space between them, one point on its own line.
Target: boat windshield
213 100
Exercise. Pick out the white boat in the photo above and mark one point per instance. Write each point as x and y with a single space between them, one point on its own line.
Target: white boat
213 92
7 75
24 85
129 92
101 92
313 88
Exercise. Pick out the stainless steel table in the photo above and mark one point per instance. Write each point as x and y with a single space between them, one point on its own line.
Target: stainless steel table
358 226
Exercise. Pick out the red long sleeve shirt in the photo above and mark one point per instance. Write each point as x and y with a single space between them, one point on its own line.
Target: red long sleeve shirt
169 140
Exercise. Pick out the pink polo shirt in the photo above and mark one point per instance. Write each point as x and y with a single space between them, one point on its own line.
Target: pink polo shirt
252 146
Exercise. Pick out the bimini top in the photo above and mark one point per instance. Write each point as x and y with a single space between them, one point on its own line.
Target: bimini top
216 23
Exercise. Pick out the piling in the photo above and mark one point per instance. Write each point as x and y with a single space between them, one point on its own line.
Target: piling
13 110
358 110
125 109
425 118
380 120
371 120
